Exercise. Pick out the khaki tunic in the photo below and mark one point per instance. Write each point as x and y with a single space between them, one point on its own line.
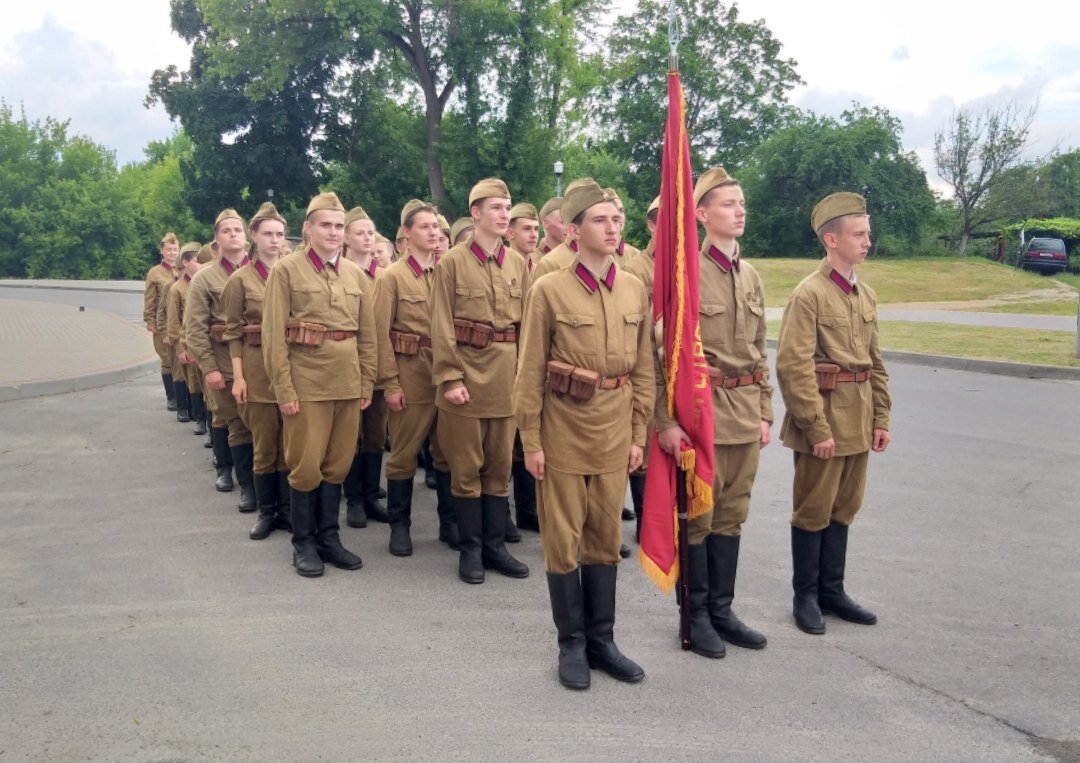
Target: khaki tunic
598 324
827 319
243 299
174 323
492 291
205 307
403 303
303 288
731 315
564 255
643 265
156 279
624 253
599 327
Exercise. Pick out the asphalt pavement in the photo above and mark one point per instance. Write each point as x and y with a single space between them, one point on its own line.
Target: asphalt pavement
138 622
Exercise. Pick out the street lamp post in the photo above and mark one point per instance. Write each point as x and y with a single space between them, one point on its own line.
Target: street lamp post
558 178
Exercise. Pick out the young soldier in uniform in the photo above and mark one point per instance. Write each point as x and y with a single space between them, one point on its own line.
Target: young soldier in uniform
156 279
565 254
582 401
444 242
161 321
554 229
624 252
524 233
384 251
644 266
401 244
403 321
476 311
732 321
836 391
185 267
204 325
320 352
243 298
361 486
461 230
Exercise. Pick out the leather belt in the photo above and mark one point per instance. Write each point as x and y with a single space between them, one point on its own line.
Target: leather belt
613 382
505 336
339 336
717 379
855 376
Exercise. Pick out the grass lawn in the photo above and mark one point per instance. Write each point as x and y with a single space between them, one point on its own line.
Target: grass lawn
1049 307
1054 348
915 279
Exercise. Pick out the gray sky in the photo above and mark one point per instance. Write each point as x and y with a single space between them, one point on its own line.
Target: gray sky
91 63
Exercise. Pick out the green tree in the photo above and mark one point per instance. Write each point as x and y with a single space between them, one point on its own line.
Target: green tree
861 152
158 192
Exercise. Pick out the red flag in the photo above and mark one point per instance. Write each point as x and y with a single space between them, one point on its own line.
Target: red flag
689 395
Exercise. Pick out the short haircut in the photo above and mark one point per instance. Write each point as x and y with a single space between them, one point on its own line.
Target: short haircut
412 215
653 215
834 226
189 255
707 198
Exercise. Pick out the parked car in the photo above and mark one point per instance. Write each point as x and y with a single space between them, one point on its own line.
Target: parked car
1046 255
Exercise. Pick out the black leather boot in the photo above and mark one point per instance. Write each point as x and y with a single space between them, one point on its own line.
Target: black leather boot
470 524
282 520
170 392
243 457
399 500
183 401
598 590
704 639
495 510
723 553
198 413
222 459
444 506
355 516
624 551
305 554
511 534
266 494
371 473
327 538
525 498
805 558
637 493
831 596
568 611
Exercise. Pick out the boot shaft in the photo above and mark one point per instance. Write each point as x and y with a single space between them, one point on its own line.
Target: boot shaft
567 606
805 560
833 559
399 501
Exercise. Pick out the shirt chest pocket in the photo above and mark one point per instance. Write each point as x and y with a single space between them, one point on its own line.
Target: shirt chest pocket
514 304
575 334
307 301
631 329
412 310
834 334
869 325
348 300
253 307
472 304
755 314
711 317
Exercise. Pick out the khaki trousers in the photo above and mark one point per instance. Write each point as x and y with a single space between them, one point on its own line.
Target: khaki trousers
827 490
320 442
264 421
479 452
227 412
580 518
373 425
194 379
408 429
735 467
163 353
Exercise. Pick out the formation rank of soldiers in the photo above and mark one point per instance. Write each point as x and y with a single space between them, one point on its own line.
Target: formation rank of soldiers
485 352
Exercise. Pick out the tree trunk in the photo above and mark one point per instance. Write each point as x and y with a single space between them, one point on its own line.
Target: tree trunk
433 122
964 242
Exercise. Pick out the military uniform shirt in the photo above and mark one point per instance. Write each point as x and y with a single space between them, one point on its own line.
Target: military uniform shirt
244 295
204 308
403 303
156 279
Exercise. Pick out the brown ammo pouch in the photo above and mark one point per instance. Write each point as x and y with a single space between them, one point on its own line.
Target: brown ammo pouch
473 333
583 383
827 375
217 332
408 344
253 335
307 336
559 374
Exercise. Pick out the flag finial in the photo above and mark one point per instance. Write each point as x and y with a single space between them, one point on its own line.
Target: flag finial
674 35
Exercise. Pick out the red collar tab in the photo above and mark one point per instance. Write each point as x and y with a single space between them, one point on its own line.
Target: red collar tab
166 265
187 278
317 262
372 267
840 281
545 249
415 266
589 279
573 246
529 263
500 253
229 267
261 269
723 260
621 247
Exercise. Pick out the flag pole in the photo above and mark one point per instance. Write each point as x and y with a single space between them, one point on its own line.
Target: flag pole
681 502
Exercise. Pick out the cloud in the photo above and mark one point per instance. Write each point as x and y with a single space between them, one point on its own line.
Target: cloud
54 72
901 54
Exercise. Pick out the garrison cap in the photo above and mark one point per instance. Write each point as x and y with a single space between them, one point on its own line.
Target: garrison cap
170 238
524 209
717 176
205 255
444 224
836 205
411 206
266 212
553 204
227 214
354 214
324 201
491 188
460 225
615 196
654 205
586 193
190 246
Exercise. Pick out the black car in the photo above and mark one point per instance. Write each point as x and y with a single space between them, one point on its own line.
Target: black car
1043 254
